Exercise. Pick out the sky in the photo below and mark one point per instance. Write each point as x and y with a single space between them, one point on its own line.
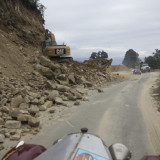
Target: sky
114 26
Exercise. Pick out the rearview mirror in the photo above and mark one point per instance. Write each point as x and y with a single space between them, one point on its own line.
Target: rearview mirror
119 152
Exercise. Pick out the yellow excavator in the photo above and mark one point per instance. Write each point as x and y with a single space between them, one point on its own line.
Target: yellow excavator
99 60
100 63
51 49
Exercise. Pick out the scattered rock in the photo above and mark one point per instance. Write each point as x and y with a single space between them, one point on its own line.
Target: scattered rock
41 100
3 131
48 104
33 109
52 95
77 103
16 136
100 90
44 61
1 121
42 108
62 77
7 135
1 147
85 99
15 102
5 109
2 138
23 117
59 100
62 88
33 122
4 101
71 78
52 111
24 106
45 71
14 112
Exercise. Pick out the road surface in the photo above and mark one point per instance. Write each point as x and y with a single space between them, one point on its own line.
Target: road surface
115 115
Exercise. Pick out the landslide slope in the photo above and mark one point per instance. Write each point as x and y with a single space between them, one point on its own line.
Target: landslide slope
31 83
21 34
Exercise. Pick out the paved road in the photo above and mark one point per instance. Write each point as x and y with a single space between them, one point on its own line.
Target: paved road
114 115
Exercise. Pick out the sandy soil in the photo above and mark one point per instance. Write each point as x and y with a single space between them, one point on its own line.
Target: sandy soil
150 113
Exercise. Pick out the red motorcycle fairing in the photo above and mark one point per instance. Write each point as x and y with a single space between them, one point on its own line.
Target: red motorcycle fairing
151 158
25 152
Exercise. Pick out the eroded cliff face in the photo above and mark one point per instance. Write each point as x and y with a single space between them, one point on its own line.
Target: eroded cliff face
21 35
26 22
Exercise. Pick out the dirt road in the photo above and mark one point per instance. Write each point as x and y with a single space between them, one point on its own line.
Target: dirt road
119 114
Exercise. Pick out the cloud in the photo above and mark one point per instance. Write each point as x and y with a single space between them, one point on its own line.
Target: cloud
113 26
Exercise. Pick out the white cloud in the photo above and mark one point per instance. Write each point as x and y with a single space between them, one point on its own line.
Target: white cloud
113 26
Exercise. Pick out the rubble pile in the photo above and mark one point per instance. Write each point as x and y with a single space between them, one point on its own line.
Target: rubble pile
50 84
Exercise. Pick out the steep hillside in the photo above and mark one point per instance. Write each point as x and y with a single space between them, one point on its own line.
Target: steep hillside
21 34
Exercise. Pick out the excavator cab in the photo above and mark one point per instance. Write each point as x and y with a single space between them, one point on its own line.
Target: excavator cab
51 49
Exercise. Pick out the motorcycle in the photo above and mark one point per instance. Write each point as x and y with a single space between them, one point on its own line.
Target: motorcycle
77 146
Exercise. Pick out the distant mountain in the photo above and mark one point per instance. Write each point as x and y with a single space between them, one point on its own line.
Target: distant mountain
117 61
79 59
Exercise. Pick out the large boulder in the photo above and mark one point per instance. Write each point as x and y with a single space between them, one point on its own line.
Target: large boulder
16 101
3 101
33 109
23 117
62 88
16 136
62 77
12 124
42 108
45 71
1 121
2 137
44 61
59 101
71 97
1 147
15 112
71 78
81 91
24 106
54 67
52 95
5 109
33 122
76 93
34 95
48 104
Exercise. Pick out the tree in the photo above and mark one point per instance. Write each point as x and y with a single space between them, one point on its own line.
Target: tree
154 61
99 55
130 59
34 5
156 54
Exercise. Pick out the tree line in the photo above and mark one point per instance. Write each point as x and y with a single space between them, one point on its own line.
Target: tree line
131 59
154 60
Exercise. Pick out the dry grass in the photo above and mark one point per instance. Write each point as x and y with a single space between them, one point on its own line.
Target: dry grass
156 91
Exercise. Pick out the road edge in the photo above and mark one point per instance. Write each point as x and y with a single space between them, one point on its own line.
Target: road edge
150 113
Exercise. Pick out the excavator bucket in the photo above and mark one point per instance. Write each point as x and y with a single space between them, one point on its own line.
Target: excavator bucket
100 63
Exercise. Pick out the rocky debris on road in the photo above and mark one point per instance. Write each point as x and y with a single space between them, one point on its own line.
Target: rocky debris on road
51 84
